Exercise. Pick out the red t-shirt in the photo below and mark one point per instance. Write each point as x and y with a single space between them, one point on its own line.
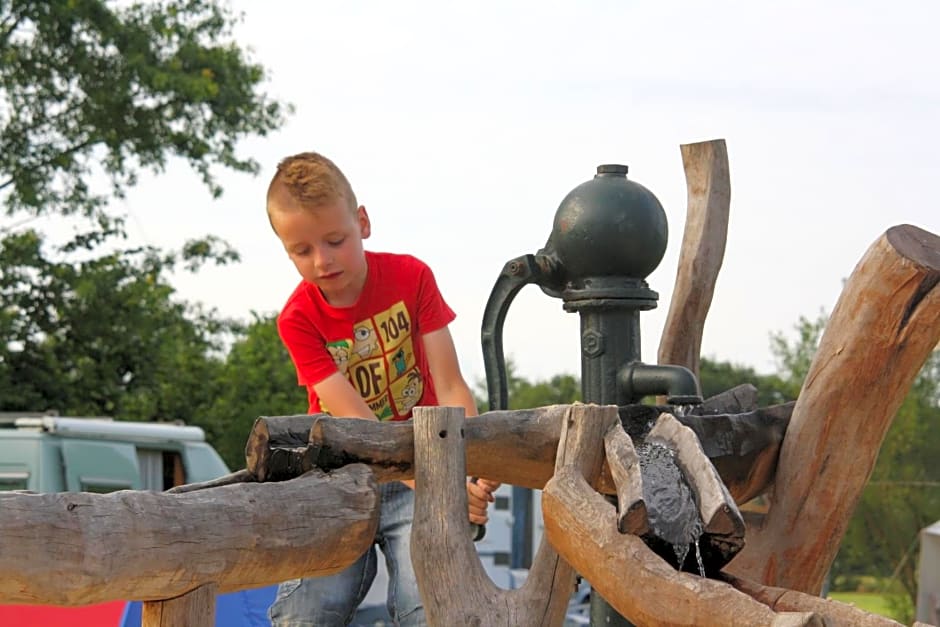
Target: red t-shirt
376 343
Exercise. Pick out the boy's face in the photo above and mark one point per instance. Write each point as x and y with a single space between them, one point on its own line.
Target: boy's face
325 244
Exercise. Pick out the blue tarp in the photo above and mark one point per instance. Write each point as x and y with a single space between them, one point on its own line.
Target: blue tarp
245 608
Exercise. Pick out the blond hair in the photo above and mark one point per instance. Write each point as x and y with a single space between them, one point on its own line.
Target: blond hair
311 180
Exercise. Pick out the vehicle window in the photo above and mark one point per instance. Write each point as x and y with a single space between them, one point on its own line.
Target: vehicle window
13 480
96 466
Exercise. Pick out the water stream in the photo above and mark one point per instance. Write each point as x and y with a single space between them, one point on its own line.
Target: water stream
673 512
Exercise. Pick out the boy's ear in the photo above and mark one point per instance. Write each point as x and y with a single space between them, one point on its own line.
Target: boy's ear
365 227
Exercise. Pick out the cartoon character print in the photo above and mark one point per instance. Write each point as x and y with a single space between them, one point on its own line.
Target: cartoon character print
400 362
339 351
411 393
366 342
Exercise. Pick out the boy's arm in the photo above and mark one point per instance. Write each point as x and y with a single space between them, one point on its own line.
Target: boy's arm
449 384
452 391
338 394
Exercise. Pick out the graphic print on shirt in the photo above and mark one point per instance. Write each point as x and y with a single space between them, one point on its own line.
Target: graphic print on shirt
339 351
382 365
366 343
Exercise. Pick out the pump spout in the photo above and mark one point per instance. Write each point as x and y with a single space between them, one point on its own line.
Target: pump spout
677 383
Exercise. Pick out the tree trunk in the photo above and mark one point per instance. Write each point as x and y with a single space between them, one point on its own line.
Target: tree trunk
79 548
884 326
703 249
454 587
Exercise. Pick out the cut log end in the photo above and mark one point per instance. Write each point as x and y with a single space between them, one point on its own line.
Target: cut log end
914 243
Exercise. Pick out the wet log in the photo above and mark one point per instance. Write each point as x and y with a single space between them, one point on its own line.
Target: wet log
454 587
624 467
718 512
193 609
639 584
884 326
835 612
738 400
154 546
516 447
743 447
703 247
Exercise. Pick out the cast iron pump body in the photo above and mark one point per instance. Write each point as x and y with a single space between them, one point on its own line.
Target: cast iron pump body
608 235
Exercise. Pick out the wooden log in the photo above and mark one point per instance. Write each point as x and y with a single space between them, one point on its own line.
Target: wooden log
782 600
884 326
719 514
738 400
703 249
518 446
239 476
624 465
153 546
639 584
193 609
277 447
743 447
454 587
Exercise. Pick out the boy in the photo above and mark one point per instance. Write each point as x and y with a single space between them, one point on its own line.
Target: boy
368 336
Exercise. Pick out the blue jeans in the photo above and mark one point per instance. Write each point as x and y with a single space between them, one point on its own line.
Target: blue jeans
333 600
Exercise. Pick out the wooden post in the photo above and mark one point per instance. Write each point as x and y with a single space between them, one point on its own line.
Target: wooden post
454 587
884 326
193 609
703 249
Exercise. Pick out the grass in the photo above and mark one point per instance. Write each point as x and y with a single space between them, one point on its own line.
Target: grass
872 602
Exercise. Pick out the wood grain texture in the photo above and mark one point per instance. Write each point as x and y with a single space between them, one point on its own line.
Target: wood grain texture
193 609
703 247
835 612
880 333
454 587
519 447
154 546
639 584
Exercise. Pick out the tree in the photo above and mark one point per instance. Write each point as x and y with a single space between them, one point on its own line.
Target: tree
717 376
257 379
88 87
523 394
103 335
98 90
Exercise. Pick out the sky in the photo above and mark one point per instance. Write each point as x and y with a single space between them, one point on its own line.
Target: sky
462 126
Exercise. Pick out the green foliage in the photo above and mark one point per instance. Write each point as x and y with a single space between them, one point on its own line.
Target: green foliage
101 335
257 379
524 394
99 90
96 86
794 358
716 377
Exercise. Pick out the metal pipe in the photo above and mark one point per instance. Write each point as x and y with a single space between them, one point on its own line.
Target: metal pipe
676 383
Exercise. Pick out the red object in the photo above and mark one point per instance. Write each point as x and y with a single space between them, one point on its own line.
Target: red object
99 615
376 343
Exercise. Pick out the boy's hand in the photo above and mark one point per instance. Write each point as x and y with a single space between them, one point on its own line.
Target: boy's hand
479 496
